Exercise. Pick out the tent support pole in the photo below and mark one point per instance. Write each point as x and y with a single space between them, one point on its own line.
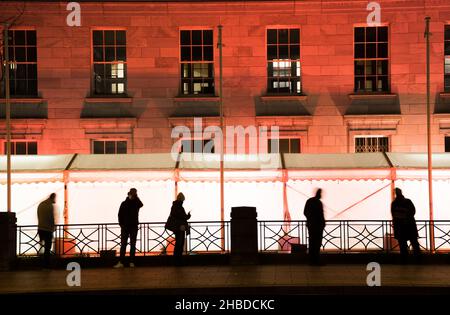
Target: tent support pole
222 190
429 149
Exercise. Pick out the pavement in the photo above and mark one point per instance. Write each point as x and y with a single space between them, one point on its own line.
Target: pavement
292 279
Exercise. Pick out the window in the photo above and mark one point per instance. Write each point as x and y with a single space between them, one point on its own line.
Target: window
283 61
22 148
371 59
197 62
365 144
197 146
447 59
110 66
109 147
23 63
447 144
289 145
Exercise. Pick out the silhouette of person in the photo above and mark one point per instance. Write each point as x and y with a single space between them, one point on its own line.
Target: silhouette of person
129 222
315 223
46 226
180 227
405 228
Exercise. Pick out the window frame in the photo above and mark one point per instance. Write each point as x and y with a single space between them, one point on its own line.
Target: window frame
116 140
181 62
290 138
92 78
299 60
14 146
378 136
26 62
388 58
192 139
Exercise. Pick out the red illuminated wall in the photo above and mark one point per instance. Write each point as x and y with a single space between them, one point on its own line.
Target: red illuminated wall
64 70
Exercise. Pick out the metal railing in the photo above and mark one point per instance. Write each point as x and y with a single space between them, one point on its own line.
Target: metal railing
214 237
152 239
350 236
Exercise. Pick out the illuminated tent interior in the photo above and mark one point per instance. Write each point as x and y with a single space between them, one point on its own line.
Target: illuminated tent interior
355 186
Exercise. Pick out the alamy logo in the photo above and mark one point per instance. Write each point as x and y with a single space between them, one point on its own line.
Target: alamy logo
73 279
374 17
374 277
242 143
74 17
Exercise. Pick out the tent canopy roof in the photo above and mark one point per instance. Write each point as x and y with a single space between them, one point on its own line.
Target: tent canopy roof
165 161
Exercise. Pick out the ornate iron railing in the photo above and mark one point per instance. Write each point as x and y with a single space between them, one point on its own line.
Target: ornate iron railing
152 239
350 236
274 236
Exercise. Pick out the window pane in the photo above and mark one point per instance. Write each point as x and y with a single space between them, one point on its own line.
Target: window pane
294 36
283 51
121 53
196 37
32 148
271 36
295 52
110 54
359 84
19 37
207 37
21 148
371 50
272 52
273 146
283 36
109 38
186 146
110 147
359 67
447 144
196 53
208 53
371 34
185 53
31 38
121 147
360 51
295 146
97 38
21 71
98 54
20 54
21 87
360 34
121 38
98 147
447 48
383 50
185 37
32 87
284 145
382 34
31 54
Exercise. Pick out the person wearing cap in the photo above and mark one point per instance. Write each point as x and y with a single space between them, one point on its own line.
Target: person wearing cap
180 226
129 222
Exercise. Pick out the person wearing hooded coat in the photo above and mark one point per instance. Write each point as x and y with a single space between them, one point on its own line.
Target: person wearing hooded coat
315 222
405 227
180 226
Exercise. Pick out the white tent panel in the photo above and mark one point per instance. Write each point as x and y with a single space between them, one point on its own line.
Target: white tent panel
231 161
36 163
335 161
156 161
100 202
26 198
343 200
419 160
120 176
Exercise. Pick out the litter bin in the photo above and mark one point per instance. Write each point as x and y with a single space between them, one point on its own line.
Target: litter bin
244 235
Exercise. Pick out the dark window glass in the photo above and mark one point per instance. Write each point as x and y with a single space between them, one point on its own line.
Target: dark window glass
32 148
110 69
272 37
291 145
197 62
23 53
447 59
283 61
371 66
99 147
447 144
371 144
121 147
110 147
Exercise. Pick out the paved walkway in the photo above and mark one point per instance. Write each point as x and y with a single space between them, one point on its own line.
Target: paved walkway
267 279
